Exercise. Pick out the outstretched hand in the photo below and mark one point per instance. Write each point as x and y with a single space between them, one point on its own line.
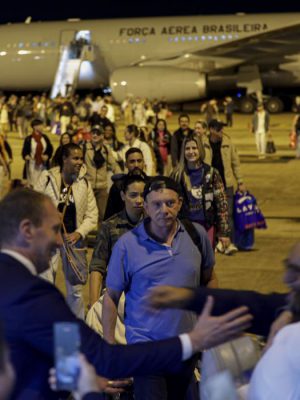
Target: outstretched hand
211 331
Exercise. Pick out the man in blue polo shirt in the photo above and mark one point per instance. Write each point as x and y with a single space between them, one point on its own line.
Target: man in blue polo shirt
159 251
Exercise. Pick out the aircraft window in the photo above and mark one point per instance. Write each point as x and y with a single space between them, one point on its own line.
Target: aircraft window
21 44
209 37
203 37
46 44
183 38
223 37
236 36
137 40
170 39
14 45
216 38
190 38
130 40
124 41
34 44
229 36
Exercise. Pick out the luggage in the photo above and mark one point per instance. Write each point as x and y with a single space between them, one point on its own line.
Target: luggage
238 356
247 217
270 147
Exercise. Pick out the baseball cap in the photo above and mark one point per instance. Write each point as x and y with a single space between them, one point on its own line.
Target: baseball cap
97 128
215 124
36 122
161 182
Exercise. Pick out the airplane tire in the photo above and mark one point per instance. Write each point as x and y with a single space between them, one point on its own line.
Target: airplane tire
247 105
274 105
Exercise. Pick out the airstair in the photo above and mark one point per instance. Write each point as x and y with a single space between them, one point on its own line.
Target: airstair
71 57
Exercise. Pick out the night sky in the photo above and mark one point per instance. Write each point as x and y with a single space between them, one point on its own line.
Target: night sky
60 10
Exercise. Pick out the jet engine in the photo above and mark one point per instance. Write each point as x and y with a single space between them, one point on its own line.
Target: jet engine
175 84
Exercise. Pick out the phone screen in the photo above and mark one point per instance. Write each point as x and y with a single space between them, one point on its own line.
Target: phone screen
66 349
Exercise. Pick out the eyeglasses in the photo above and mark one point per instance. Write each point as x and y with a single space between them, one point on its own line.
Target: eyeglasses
97 133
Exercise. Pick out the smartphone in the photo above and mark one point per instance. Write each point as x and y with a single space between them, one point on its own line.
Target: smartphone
66 351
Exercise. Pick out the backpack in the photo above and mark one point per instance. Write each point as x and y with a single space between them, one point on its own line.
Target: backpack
194 235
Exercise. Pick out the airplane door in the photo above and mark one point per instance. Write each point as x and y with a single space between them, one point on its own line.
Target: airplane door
67 36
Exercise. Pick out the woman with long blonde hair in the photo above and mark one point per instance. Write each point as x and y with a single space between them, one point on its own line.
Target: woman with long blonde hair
205 199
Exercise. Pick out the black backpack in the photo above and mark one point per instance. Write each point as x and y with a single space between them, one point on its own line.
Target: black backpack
194 235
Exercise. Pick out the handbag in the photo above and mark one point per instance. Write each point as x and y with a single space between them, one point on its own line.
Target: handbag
293 140
246 213
270 147
74 258
238 356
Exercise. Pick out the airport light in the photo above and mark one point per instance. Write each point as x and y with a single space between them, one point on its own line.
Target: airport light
24 52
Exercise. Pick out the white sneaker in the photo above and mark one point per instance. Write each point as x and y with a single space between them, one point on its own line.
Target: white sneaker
220 247
231 249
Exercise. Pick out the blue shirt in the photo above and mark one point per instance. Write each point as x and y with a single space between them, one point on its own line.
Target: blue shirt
138 263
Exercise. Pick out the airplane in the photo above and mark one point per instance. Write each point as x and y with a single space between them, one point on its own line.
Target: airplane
179 58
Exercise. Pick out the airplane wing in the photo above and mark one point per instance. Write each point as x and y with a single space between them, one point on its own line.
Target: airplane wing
267 50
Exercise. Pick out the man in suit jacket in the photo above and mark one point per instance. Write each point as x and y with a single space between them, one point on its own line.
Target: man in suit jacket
7 373
30 231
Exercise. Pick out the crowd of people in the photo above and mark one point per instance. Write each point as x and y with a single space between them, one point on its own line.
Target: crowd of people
161 204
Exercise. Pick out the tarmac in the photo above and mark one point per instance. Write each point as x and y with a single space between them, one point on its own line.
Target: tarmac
273 181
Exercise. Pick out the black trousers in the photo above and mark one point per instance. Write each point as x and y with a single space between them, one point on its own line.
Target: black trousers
168 387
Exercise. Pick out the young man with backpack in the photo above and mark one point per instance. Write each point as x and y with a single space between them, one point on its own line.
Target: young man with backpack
97 158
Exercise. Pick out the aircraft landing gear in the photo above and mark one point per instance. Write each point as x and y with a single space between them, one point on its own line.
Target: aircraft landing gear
247 105
274 105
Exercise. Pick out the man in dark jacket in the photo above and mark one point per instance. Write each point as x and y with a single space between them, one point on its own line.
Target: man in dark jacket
134 161
178 137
